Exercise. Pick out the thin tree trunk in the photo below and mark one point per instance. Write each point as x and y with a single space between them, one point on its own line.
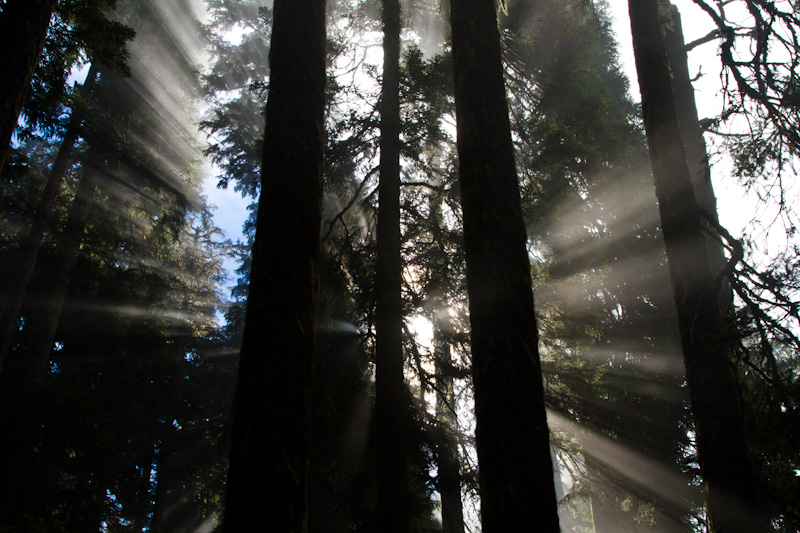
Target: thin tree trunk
23 28
729 479
390 412
16 483
605 499
158 521
267 486
20 432
447 456
15 294
143 493
512 438
602 517
447 449
86 511
41 325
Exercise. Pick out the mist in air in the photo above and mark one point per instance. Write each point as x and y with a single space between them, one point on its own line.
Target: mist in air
129 208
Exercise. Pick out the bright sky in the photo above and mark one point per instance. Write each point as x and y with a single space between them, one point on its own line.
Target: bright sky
735 209
231 209
702 59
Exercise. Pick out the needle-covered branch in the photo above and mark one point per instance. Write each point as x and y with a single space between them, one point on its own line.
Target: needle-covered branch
759 51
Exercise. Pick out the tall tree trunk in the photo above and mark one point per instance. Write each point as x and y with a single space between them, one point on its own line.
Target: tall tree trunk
23 28
159 519
607 517
269 453
143 492
390 412
728 476
512 438
15 293
21 431
86 511
696 155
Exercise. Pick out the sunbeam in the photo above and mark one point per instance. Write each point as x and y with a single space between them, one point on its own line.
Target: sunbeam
198 289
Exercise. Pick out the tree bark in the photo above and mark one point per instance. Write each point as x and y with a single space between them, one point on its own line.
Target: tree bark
696 155
266 486
23 28
390 412
157 522
142 502
512 438
729 479
15 294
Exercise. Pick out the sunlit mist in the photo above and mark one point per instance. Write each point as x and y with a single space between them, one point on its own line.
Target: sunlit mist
128 211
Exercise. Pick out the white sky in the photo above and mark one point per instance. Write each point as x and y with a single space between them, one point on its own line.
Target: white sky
736 209
695 25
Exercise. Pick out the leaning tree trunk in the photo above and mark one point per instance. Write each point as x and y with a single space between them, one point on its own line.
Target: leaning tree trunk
512 438
40 327
23 28
729 479
390 413
15 294
692 134
266 486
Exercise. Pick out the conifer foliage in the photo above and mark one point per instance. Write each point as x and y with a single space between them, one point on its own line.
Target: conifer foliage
457 302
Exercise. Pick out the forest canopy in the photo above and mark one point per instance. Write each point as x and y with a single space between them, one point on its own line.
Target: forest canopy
483 281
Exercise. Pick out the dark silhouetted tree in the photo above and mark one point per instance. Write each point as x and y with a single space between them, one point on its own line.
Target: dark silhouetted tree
732 494
269 451
515 469
23 27
390 411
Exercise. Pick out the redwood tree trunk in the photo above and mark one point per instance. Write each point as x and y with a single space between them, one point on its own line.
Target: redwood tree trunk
729 479
696 155
390 412
15 294
512 438
23 28
266 487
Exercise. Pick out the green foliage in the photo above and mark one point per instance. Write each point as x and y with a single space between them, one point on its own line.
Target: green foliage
29 524
80 33
768 371
236 124
131 416
604 303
